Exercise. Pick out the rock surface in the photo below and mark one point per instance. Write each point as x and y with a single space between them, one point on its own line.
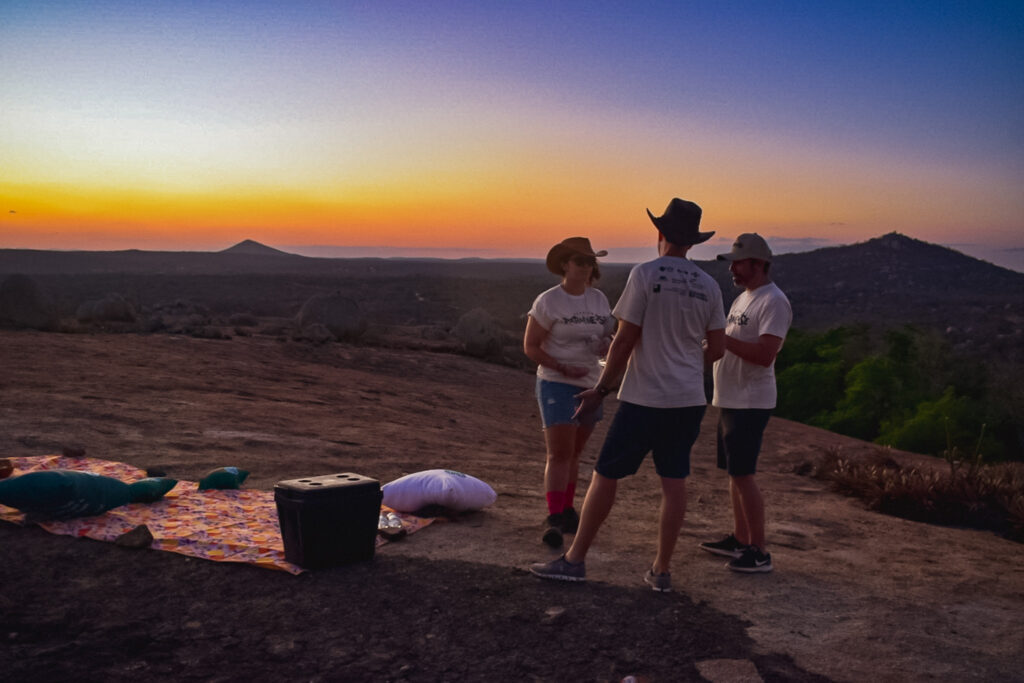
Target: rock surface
855 595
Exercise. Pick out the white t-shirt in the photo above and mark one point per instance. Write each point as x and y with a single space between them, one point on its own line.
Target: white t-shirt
740 383
576 326
675 303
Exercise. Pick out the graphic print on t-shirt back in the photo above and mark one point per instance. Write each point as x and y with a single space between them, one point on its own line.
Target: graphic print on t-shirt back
682 281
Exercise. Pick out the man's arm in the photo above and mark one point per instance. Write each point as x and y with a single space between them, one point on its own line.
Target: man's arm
762 352
714 345
621 349
619 352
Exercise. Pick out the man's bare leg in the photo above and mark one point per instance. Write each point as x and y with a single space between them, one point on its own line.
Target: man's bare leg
596 506
673 512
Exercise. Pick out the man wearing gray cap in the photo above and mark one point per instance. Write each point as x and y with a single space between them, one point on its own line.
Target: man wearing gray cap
745 393
671 322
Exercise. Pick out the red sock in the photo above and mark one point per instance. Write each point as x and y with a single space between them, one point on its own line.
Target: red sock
570 494
556 502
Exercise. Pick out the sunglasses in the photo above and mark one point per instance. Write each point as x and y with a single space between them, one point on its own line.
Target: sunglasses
584 261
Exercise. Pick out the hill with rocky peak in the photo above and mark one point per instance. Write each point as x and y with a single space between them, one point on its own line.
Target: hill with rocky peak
897 280
254 248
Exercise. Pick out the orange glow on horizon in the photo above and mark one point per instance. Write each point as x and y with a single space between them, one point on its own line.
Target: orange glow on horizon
490 212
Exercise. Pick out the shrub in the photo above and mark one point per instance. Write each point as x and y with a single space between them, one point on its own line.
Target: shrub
970 494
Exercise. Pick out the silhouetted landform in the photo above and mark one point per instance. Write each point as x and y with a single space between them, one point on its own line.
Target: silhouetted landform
896 279
254 248
249 258
891 280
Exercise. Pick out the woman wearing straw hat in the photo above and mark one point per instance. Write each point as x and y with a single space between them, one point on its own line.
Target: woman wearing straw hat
567 332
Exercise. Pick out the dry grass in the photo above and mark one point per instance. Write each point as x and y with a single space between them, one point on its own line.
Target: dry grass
967 494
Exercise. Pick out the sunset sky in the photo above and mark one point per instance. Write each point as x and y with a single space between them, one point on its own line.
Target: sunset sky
496 129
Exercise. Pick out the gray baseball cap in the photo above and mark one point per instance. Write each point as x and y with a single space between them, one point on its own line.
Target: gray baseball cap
748 245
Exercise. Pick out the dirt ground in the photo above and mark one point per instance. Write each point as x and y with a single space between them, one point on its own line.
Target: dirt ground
855 595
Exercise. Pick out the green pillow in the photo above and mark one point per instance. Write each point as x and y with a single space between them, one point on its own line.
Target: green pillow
150 489
223 478
63 494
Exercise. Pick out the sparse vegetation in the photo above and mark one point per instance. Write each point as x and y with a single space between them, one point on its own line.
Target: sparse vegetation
967 494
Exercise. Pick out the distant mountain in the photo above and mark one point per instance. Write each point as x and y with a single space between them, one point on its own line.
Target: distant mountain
253 248
892 280
895 276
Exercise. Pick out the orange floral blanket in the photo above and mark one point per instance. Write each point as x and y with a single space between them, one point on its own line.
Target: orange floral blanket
221 525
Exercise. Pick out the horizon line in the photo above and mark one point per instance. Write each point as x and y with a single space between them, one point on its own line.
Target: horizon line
1010 258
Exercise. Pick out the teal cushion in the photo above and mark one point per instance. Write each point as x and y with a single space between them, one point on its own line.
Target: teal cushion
63 494
223 478
150 489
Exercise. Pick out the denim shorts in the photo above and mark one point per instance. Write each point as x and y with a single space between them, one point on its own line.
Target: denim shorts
739 439
668 433
557 402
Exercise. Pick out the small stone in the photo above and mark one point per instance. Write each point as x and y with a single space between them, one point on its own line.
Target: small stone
732 670
553 615
139 537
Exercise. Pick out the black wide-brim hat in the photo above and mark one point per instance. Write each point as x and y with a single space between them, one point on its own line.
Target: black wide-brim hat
567 248
680 224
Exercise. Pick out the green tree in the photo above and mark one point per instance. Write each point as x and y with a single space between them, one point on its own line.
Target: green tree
935 426
905 387
810 371
873 388
808 390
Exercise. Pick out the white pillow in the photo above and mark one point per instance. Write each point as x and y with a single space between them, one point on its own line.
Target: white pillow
447 488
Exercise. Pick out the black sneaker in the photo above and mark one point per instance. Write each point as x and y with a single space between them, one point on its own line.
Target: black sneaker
553 535
560 569
570 521
752 561
727 547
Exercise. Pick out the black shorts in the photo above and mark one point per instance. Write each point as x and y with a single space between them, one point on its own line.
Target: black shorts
739 439
669 433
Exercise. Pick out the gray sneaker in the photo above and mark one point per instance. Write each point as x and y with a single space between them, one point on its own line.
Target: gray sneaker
560 569
658 582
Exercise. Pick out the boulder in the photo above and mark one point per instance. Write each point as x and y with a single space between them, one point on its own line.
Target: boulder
111 308
479 333
433 333
338 313
316 333
24 304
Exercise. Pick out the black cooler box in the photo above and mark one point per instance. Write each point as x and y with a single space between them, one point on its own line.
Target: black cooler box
328 520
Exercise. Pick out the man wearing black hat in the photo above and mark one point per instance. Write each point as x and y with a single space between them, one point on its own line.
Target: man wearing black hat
671 323
745 394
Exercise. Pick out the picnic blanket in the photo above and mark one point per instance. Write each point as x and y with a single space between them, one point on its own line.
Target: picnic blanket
238 525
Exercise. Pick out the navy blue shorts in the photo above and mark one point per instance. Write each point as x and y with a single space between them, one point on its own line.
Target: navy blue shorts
557 402
739 439
667 433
